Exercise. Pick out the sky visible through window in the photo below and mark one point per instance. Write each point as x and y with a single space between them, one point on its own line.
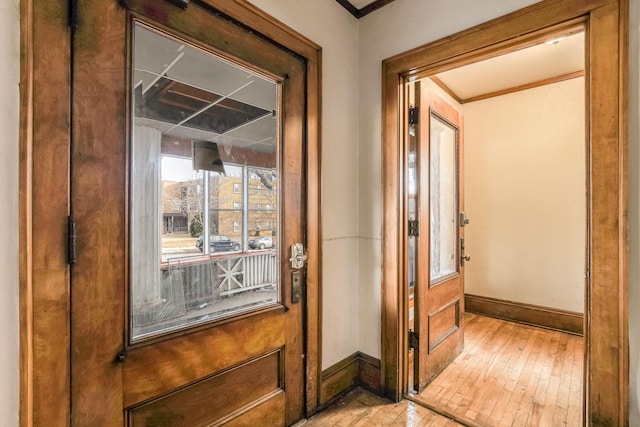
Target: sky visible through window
179 169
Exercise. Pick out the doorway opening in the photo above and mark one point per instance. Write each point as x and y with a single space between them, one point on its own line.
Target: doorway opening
522 214
605 321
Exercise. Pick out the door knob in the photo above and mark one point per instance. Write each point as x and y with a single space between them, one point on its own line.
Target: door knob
463 257
298 257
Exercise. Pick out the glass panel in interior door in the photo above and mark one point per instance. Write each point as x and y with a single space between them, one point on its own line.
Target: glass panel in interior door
204 151
443 199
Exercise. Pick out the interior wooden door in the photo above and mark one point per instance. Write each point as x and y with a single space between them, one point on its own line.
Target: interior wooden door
438 248
187 193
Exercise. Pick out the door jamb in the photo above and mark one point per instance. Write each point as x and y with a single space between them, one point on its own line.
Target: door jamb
606 313
44 170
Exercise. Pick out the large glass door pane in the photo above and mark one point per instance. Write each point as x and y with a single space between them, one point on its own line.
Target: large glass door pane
204 196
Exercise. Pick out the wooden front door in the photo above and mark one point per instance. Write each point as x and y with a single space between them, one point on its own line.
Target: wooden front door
182 115
436 232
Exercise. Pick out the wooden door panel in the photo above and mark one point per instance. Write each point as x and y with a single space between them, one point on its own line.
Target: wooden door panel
215 398
443 323
191 357
98 158
267 412
292 188
439 302
240 370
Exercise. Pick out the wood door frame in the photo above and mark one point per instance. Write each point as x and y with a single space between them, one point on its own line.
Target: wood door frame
45 136
606 313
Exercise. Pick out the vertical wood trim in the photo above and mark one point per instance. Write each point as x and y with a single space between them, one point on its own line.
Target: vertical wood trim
26 213
606 375
293 200
44 193
606 387
314 233
99 178
623 239
393 334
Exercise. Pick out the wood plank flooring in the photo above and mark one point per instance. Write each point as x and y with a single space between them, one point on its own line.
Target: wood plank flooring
508 375
362 408
511 375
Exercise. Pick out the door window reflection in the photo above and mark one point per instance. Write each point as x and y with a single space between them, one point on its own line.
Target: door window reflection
203 161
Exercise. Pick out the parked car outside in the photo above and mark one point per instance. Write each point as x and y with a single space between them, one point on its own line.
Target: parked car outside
218 243
262 242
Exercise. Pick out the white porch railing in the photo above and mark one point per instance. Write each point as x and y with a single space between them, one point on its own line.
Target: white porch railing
203 282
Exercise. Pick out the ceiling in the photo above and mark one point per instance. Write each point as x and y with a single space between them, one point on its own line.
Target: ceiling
547 62
185 92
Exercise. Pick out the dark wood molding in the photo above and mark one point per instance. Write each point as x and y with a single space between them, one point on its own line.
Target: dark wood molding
528 314
338 379
359 369
359 13
369 372
349 7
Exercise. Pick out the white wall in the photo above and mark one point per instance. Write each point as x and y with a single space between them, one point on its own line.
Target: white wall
332 27
525 196
9 111
393 29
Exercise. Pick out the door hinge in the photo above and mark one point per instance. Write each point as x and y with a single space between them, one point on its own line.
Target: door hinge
414 228
121 356
414 115
73 14
414 340
180 3
71 240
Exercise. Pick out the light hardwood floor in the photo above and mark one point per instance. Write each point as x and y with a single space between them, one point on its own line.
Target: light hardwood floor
362 408
511 375
508 375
